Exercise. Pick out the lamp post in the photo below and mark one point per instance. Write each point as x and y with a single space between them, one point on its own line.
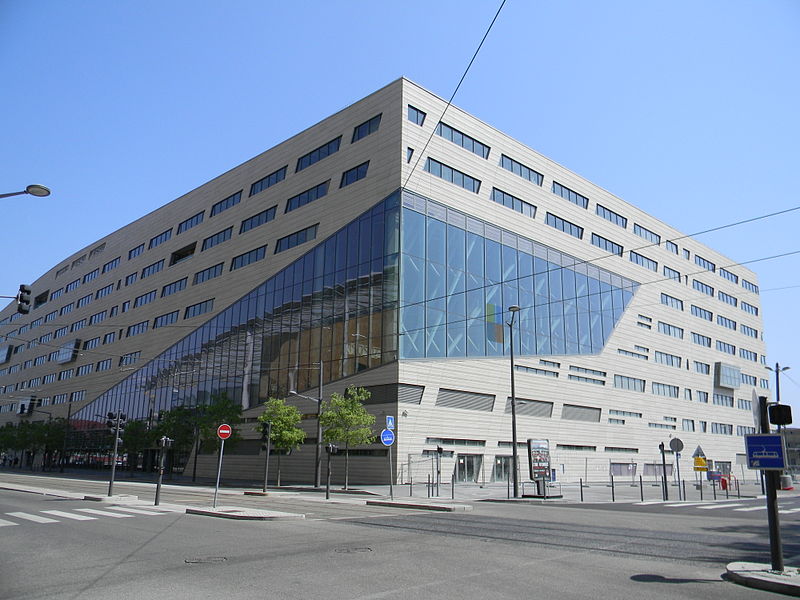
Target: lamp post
34 190
514 309
318 457
778 370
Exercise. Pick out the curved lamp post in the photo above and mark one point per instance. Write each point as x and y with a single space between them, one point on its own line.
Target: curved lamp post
34 190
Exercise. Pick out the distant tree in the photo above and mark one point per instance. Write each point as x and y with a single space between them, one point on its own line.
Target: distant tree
136 437
178 424
220 410
285 435
346 421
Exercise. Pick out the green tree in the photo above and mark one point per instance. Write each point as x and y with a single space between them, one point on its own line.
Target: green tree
285 435
346 421
220 410
136 437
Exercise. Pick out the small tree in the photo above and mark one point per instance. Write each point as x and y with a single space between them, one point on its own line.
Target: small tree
136 437
284 433
346 421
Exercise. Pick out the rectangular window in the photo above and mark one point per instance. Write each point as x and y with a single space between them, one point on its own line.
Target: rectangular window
606 244
632 354
415 115
668 359
66 309
296 238
726 322
564 225
265 216
519 169
318 154
144 299
160 238
570 195
227 203
97 318
642 232
198 309
628 383
672 273
65 374
217 238
167 319
671 330
354 174
131 279
671 246
152 269
671 301
91 275
109 338
722 428
248 257
749 379
702 313
129 359
643 261
688 424
268 181
135 251
702 287
303 198
104 291
750 287
748 354
366 128
701 340
514 203
663 389
209 273
747 330
72 285
191 222
463 140
702 396
183 254
84 300
610 215
704 263
92 343
56 294
103 365
749 308
726 347
84 369
137 329
727 298
434 167
77 325
175 286
728 275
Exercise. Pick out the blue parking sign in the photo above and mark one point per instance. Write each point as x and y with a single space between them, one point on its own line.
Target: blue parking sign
387 437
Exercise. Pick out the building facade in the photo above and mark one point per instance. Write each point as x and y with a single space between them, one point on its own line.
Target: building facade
383 247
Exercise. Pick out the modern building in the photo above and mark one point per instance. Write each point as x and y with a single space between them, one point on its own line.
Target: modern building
383 247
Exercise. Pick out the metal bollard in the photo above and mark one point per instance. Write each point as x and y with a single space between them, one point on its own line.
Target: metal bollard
581 484
714 487
684 490
641 488
701 488
726 489
453 486
738 491
613 499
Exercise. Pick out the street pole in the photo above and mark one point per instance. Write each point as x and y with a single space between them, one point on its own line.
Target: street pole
266 462
772 482
219 471
66 435
114 457
514 453
165 443
664 471
318 469
328 478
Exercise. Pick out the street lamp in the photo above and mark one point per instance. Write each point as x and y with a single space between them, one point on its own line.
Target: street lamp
34 190
318 458
778 370
514 309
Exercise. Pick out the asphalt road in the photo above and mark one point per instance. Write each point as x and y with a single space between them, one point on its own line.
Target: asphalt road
500 551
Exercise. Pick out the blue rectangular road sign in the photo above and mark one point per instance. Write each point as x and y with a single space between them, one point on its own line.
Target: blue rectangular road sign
389 422
765 451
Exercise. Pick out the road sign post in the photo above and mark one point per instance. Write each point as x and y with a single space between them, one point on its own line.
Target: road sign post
224 431
676 445
387 439
762 451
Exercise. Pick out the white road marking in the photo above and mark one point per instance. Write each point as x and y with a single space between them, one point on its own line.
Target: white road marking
30 517
4 523
713 506
136 511
66 515
104 513
685 504
751 508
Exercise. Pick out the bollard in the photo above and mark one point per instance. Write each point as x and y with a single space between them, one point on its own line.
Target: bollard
684 490
714 487
453 486
508 484
738 491
641 488
701 488
613 498
726 489
581 484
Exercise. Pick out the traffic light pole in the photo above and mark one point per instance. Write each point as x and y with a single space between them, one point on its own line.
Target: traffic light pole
772 481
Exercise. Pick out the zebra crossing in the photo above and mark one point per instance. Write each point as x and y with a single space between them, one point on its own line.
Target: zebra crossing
748 505
77 514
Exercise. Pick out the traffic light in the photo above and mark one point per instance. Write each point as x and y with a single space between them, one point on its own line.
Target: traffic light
24 299
332 449
165 442
780 414
122 422
111 421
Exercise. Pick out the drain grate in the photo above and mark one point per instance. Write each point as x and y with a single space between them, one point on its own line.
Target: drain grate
205 561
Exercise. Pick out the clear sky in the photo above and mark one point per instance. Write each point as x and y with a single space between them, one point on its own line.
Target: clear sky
686 109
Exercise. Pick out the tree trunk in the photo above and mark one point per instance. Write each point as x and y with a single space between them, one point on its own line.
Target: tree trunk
347 466
279 471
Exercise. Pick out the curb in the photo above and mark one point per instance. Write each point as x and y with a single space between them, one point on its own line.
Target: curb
760 576
241 514
434 507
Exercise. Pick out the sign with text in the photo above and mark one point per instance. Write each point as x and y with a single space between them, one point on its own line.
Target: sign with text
539 459
765 451
224 431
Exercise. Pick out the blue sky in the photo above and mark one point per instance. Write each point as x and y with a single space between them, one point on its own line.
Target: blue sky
686 109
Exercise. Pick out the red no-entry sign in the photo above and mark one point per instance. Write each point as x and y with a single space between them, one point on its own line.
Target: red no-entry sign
224 431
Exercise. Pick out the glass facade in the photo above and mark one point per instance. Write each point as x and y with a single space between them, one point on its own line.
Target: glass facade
344 304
